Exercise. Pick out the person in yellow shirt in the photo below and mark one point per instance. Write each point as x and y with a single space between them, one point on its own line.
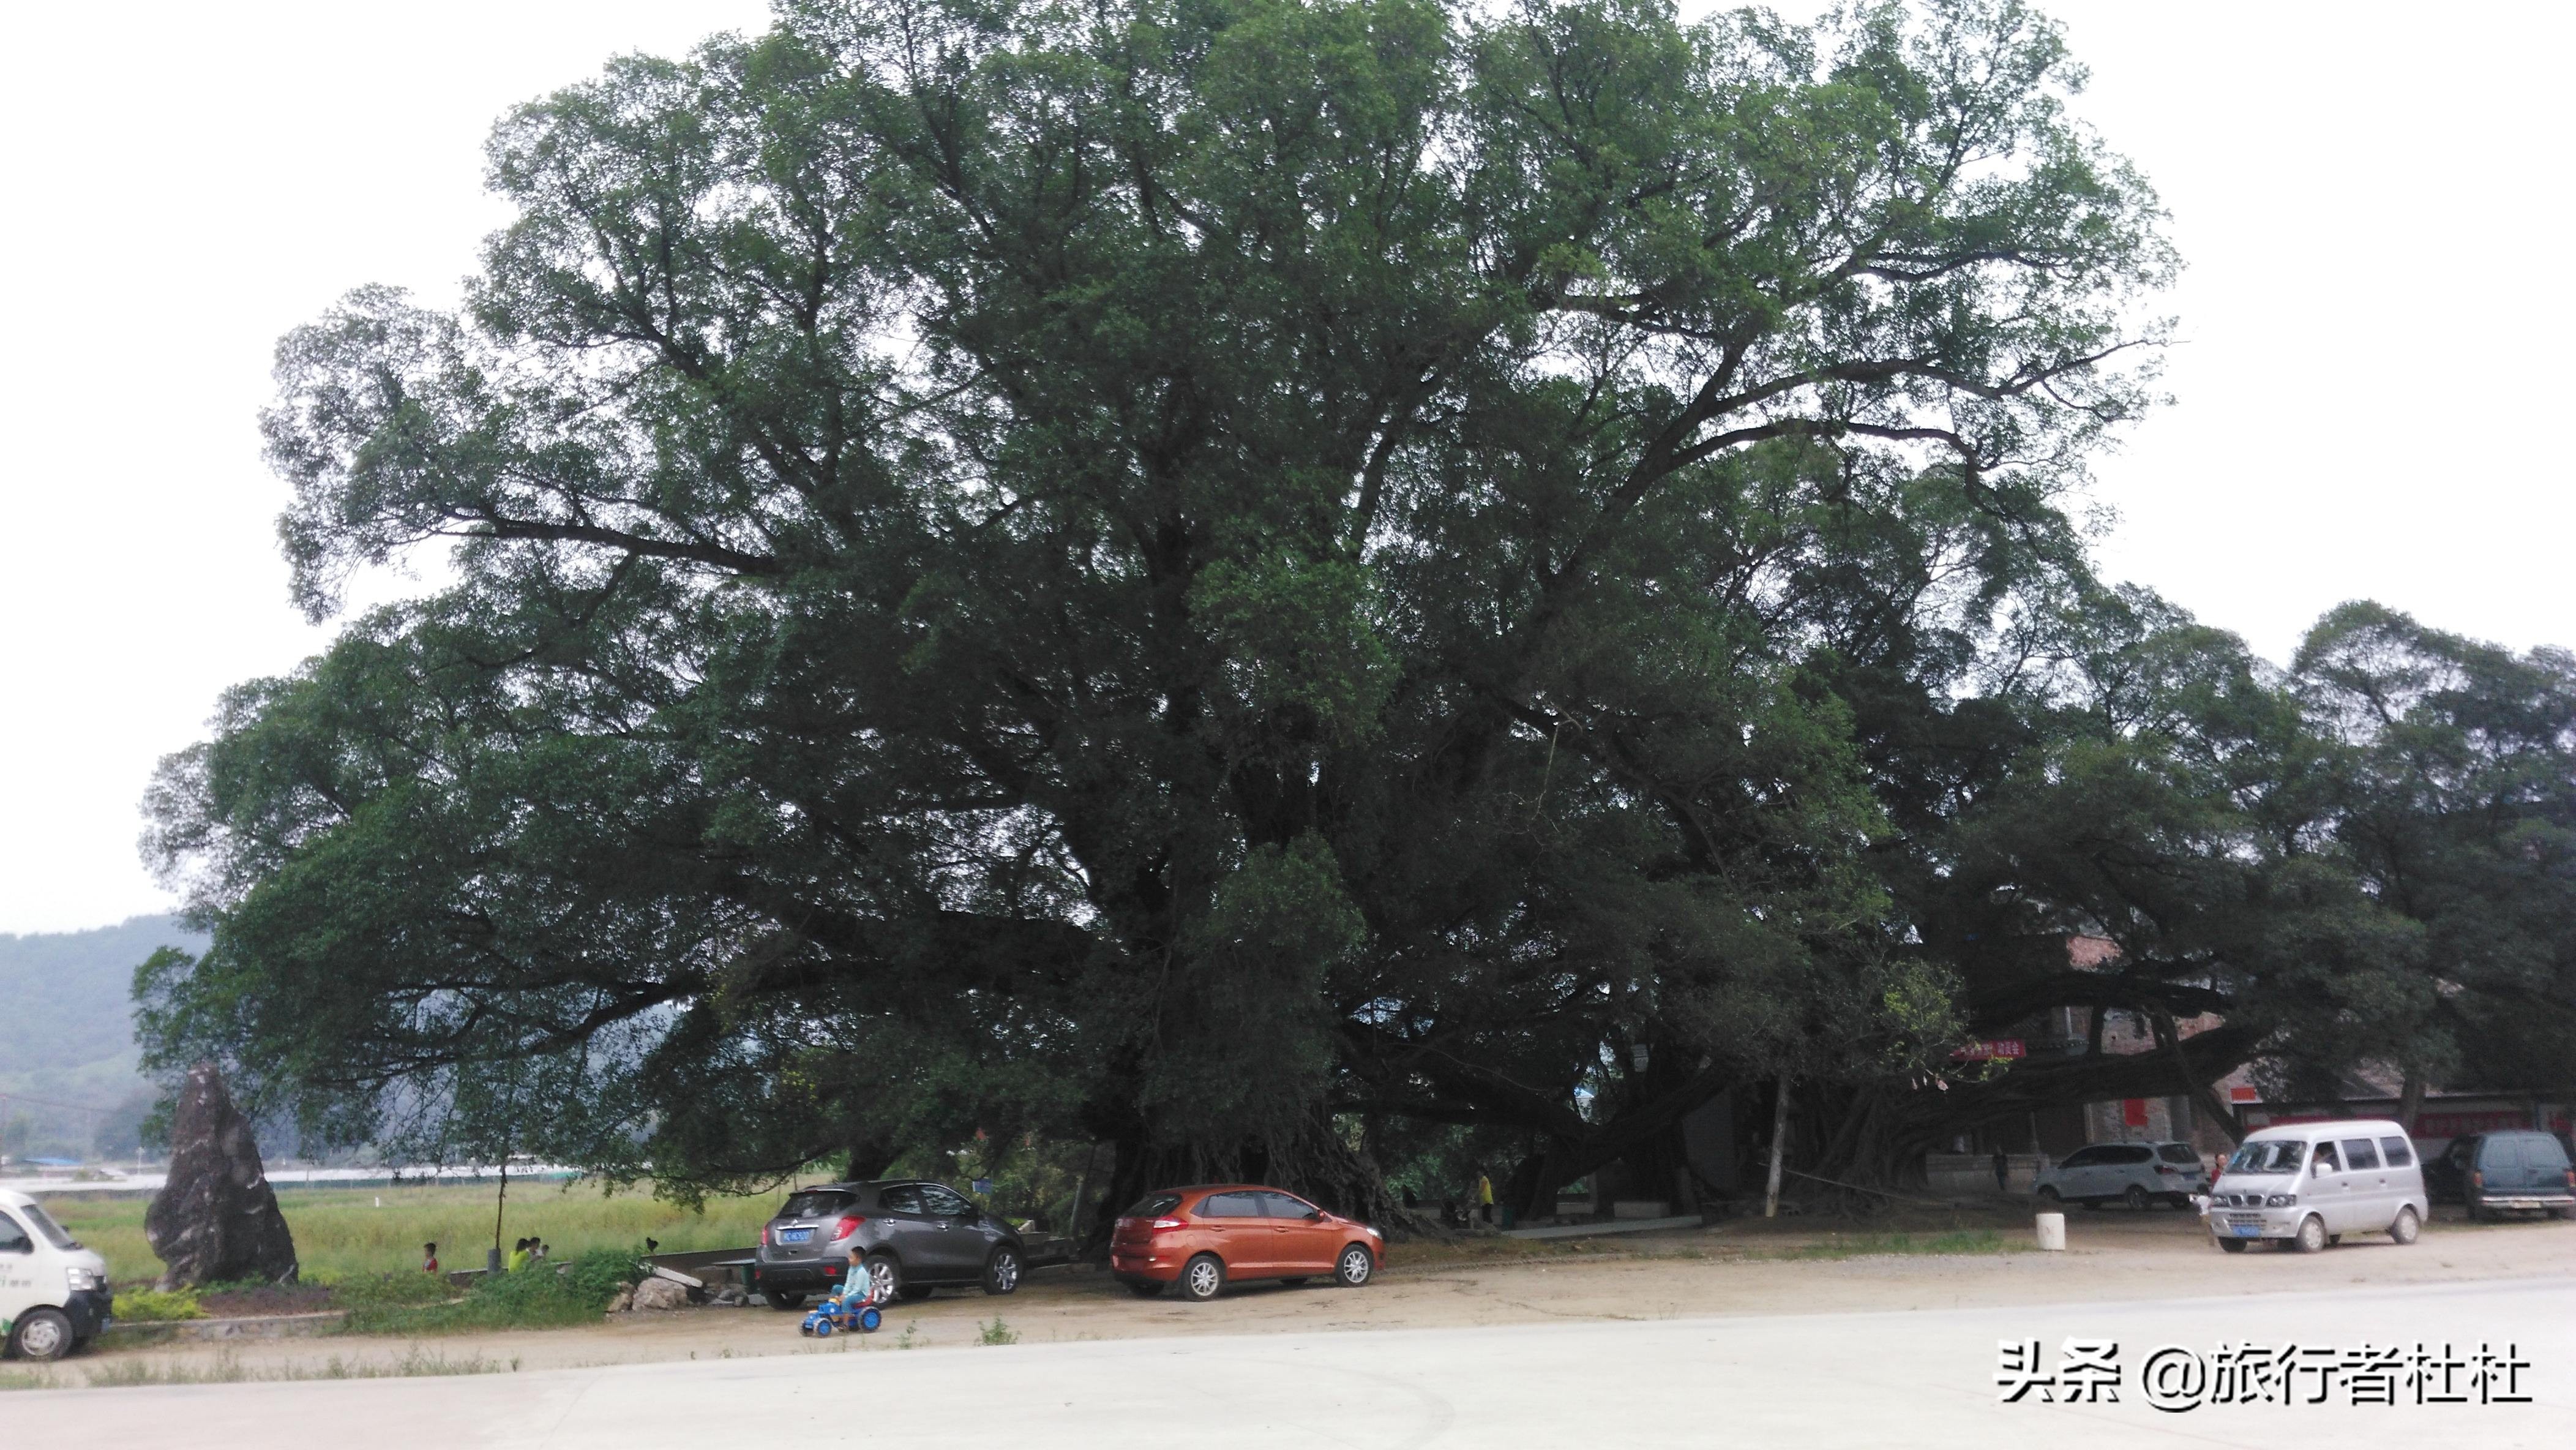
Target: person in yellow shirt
1484 1198
519 1255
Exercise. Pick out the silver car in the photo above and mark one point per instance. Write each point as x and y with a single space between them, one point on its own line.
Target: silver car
913 1237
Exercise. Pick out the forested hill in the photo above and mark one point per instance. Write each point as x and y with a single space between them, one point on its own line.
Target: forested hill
67 1025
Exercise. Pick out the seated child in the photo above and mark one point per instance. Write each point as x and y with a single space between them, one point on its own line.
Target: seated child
858 1288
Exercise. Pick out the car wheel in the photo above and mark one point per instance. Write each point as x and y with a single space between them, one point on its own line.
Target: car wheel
1202 1278
1144 1288
2406 1227
2312 1235
885 1278
2233 1246
1354 1267
2047 1197
783 1298
2135 1198
43 1335
1002 1271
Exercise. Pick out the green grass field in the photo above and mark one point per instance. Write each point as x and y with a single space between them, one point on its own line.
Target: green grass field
340 1232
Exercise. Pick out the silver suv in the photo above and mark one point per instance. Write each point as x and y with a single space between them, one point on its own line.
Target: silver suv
913 1237
2136 1174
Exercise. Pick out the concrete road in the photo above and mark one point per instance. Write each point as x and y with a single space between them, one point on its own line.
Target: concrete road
1888 1379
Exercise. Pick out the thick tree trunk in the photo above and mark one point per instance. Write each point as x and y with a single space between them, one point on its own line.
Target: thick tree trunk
2203 1094
2410 1098
869 1158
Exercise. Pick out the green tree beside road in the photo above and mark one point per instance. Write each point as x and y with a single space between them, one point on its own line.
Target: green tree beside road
1260 582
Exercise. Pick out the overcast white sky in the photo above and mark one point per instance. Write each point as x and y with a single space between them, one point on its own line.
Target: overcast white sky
2370 373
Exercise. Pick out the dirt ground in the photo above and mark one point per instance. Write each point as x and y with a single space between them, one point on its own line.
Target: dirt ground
1740 1267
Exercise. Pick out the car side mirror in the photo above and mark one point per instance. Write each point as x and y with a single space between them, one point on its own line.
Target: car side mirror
1314 1215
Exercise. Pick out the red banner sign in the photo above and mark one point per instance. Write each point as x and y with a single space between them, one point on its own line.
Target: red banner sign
2001 1047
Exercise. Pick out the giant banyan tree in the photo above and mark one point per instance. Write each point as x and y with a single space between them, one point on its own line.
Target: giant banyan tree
1241 579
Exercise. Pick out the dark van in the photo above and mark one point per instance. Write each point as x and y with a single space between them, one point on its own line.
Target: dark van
2515 1172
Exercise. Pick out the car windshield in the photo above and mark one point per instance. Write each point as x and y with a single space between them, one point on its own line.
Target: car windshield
52 1231
2277 1157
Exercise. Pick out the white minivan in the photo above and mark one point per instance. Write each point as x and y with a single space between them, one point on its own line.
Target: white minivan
2309 1184
53 1292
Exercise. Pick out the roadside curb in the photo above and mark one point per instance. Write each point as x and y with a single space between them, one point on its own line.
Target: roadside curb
1615 1226
260 1326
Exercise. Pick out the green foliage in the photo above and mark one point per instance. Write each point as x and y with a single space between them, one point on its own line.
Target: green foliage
598 1274
541 1296
995 1333
1157 573
152 1306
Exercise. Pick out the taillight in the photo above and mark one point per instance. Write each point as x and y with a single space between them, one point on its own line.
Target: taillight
764 1236
848 1225
1161 1224
2165 1171
2477 1178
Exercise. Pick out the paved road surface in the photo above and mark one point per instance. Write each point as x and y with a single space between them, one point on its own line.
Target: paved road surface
1888 1379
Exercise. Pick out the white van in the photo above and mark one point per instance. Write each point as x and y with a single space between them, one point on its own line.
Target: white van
53 1292
2309 1184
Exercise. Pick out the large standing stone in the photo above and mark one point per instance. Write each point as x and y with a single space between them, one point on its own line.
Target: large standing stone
216 1220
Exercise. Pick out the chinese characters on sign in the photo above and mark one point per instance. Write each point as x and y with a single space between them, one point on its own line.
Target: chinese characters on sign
2174 1378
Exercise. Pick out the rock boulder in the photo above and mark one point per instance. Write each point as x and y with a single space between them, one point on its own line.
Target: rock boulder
216 1220
660 1294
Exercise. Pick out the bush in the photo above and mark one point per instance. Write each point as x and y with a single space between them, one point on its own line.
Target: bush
540 1296
600 1273
151 1306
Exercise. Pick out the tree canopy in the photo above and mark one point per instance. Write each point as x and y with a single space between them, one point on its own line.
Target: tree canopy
1200 573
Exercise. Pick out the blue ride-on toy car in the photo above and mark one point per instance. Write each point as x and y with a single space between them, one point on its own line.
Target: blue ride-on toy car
841 1315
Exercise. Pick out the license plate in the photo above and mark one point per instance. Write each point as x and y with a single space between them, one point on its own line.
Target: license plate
2247 1231
794 1235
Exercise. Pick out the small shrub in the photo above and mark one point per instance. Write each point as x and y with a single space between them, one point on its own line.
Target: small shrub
152 1306
996 1333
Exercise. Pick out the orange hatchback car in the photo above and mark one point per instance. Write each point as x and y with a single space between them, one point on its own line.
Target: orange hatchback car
1201 1237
